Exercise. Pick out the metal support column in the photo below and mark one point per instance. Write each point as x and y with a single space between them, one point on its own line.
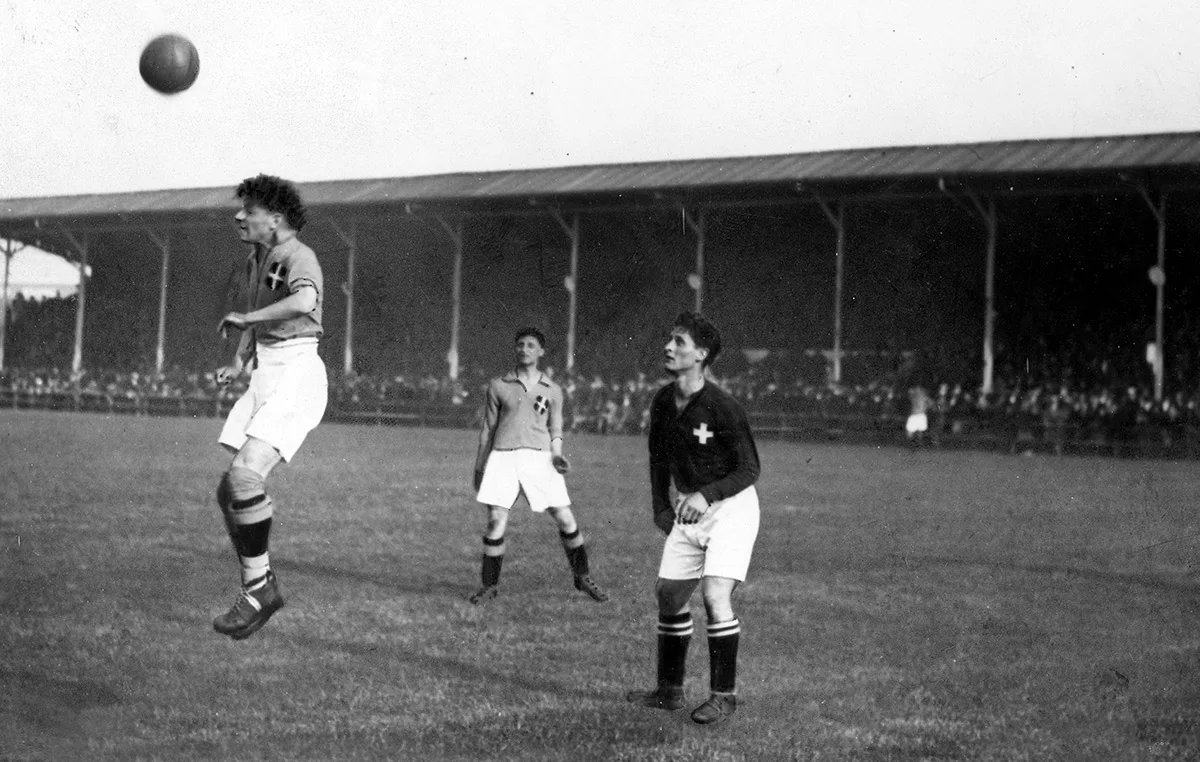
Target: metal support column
1158 276
837 218
350 238
986 212
164 246
11 247
571 283
455 231
81 248
696 280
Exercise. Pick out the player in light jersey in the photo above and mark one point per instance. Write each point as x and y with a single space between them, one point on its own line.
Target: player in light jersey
701 448
287 393
520 451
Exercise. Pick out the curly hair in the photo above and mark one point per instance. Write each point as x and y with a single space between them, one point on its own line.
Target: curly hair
704 334
275 195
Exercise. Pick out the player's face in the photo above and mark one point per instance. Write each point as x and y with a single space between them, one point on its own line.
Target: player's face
681 353
255 224
528 351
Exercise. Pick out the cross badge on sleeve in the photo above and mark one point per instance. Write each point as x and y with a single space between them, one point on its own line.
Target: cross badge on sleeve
702 433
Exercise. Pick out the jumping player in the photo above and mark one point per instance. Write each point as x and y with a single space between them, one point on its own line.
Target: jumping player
287 393
520 450
702 450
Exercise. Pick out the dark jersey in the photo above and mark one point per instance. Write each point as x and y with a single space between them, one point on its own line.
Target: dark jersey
706 447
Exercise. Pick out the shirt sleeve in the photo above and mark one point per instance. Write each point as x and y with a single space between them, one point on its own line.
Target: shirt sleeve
303 270
491 415
660 464
555 423
740 442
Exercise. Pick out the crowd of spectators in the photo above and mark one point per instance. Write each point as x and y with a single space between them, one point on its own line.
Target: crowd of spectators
1021 408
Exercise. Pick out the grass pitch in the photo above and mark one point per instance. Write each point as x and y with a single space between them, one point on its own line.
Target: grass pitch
901 605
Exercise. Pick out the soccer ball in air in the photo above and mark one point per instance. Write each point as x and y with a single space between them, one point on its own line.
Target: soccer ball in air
170 63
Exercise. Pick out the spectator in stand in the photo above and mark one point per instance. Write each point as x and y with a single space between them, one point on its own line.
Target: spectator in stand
1054 423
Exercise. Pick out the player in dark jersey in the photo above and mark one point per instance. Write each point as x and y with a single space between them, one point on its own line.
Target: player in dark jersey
702 451
287 394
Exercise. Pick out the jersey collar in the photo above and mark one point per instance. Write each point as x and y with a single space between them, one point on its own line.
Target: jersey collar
692 400
511 377
274 252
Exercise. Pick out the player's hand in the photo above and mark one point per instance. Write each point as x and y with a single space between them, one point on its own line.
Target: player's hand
226 375
691 508
664 520
232 320
478 478
561 464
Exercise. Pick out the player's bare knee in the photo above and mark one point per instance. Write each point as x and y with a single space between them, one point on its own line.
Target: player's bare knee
673 595
563 517
245 483
496 528
497 521
718 609
258 456
718 598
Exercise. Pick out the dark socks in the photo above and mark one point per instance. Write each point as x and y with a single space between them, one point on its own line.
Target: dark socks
722 655
674 636
493 560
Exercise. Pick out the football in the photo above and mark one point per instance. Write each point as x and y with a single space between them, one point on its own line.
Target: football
170 64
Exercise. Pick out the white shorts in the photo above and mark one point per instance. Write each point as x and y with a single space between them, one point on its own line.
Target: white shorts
510 472
285 400
917 422
718 545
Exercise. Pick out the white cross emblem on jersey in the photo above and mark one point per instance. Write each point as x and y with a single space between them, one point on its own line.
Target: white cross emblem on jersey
275 276
702 433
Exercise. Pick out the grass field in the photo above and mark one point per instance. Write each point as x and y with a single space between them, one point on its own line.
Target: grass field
901 606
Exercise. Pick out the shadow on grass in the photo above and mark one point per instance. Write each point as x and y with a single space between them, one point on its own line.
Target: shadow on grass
405 580
488 681
46 713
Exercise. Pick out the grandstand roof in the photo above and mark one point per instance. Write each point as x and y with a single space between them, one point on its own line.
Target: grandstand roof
1009 166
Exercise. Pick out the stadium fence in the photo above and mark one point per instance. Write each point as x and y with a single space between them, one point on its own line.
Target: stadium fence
980 430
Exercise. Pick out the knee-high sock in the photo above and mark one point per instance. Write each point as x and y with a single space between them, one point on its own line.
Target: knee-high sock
493 560
225 502
248 513
722 655
252 520
576 551
674 636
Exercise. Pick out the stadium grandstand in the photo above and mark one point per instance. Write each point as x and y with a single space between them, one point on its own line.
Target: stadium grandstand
1038 289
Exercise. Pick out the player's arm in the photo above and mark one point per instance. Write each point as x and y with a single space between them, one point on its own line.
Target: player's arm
737 436
241 358
301 301
555 427
660 472
491 415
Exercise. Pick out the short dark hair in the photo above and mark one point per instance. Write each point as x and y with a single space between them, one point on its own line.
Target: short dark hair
275 195
530 331
704 334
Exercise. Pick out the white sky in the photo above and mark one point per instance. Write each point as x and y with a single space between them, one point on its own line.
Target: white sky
316 89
